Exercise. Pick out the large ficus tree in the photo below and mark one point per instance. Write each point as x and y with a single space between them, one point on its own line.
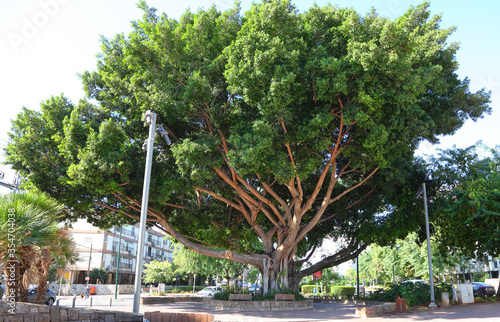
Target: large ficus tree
287 127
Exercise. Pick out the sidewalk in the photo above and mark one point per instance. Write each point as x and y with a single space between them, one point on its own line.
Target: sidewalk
320 312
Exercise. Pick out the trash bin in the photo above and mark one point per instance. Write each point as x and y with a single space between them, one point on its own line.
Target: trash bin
92 290
400 305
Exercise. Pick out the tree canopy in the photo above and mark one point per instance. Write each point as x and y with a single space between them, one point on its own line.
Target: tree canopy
158 272
465 204
287 127
406 259
189 262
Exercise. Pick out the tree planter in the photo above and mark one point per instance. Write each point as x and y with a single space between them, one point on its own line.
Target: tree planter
257 305
169 299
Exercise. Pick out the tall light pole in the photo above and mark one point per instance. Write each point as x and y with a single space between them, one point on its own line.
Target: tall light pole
88 269
118 264
357 277
429 257
150 118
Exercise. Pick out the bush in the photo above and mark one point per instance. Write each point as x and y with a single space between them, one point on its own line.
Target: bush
158 294
187 288
308 289
413 294
222 296
305 289
342 291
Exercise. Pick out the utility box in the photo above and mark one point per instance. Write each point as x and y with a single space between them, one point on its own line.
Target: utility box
463 293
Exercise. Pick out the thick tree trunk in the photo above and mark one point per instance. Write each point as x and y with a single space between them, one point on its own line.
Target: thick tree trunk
42 270
15 289
293 278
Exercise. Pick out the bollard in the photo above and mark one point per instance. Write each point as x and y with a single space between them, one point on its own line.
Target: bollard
57 302
74 300
90 301
445 299
400 305
110 301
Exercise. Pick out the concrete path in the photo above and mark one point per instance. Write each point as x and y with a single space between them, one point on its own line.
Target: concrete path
320 312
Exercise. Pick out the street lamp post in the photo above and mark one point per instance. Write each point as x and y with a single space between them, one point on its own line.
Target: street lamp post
118 264
357 277
429 257
151 120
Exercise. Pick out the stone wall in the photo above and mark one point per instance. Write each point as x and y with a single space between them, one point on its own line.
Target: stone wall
24 312
257 305
375 310
101 289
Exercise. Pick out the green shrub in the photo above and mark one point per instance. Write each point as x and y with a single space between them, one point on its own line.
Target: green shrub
413 294
187 288
306 289
222 296
342 291
158 294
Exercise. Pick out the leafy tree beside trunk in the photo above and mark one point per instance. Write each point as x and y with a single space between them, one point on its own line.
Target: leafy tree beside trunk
287 128
99 275
158 272
466 201
189 262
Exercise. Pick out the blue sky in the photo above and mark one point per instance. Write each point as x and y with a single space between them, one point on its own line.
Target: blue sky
45 44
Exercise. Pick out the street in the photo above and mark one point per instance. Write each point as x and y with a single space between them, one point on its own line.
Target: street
320 312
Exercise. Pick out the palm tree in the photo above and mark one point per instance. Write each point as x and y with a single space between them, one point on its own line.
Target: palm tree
61 249
28 224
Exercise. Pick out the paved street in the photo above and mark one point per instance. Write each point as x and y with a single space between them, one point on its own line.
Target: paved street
320 312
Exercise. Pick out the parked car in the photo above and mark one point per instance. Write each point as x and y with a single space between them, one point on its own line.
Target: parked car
414 282
251 288
209 291
50 296
482 289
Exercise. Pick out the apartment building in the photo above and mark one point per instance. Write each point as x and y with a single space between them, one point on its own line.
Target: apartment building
466 272
99 248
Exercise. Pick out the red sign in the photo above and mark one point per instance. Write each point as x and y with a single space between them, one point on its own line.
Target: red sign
317 275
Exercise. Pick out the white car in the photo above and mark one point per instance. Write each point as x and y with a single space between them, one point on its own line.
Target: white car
415 282
209 291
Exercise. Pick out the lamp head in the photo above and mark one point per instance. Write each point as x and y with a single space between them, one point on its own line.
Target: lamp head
148 117
164 134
